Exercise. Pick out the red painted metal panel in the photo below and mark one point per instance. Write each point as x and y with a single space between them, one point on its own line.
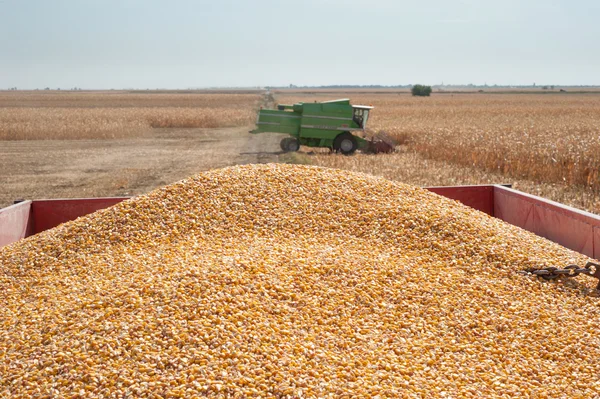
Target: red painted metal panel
596 242
512 209
15 222
478 197
570 227
50 213
569 231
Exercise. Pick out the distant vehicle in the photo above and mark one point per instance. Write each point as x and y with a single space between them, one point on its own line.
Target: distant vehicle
328 124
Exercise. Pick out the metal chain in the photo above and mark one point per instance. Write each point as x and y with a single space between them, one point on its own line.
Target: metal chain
551 273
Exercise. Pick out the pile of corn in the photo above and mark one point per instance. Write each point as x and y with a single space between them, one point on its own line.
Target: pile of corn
281 281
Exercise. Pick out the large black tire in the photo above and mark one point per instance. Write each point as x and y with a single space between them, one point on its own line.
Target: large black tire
345 143
293 145
283 144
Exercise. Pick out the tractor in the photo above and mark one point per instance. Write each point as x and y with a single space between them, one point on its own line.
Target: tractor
337 125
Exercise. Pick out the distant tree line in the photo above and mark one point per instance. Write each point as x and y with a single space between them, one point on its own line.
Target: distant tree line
437 86
292 86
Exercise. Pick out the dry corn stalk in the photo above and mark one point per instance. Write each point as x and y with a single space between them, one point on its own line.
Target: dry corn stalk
65 116
292 281
542 137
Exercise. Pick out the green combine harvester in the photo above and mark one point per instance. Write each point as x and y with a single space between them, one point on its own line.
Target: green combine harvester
337 125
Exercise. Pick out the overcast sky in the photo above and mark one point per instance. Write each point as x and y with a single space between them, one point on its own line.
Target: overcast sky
196 43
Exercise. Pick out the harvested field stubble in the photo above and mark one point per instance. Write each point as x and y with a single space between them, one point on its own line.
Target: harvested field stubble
292 281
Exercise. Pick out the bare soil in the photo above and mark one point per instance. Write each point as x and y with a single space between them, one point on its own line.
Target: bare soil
124 167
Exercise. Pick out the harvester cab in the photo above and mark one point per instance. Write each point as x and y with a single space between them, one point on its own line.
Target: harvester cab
337 125
361 114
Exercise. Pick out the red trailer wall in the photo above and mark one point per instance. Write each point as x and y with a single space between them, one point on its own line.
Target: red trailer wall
15 223
478 197
570 227
47 214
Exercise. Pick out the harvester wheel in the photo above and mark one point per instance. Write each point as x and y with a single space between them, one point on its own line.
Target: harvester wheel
284 144
345 143
289 144
293 145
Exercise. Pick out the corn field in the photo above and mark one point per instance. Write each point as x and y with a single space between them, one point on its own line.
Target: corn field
552 138
60 116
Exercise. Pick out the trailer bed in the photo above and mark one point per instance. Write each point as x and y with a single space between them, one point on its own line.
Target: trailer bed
574 229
